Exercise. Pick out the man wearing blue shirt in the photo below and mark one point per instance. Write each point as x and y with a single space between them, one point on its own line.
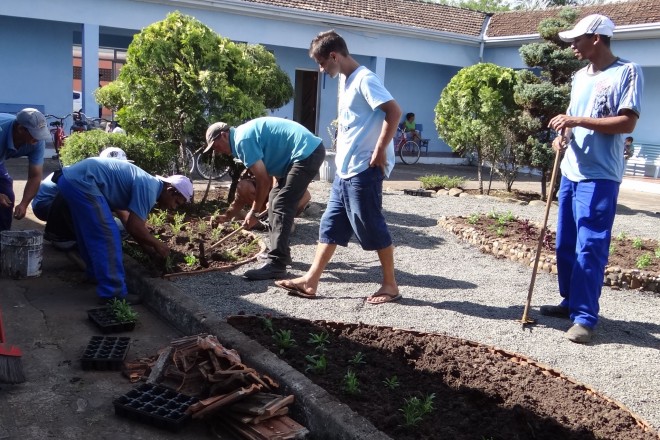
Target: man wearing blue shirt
93 188
22 135
605 105
272 147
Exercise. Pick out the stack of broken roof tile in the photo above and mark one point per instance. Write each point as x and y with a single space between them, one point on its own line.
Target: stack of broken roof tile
240 399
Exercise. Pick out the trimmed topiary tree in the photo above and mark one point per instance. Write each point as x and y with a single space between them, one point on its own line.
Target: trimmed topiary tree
474 110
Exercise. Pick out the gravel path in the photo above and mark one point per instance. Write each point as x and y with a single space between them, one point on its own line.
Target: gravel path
449 287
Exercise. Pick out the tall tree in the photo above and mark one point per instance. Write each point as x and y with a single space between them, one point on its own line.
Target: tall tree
473 110
180 76
544 92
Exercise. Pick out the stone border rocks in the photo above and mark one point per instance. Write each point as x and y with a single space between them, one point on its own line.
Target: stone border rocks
615 277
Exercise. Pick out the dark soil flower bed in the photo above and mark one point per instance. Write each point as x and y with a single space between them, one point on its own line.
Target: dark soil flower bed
190 232
479 392
508 237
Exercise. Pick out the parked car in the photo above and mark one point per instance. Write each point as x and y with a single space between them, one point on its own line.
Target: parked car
77 101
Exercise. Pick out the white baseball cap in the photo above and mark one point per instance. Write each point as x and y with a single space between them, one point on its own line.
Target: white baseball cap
591 24
114 153
180 183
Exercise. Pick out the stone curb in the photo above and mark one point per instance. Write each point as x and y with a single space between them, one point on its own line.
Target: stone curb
318 411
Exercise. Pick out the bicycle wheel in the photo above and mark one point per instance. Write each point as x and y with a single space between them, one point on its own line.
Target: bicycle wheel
409 152
205 166
187 167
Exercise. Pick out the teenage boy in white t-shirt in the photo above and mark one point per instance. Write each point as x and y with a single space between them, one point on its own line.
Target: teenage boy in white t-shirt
367 121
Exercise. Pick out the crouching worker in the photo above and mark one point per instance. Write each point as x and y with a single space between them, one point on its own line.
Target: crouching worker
272 147
93 188
49 206
246 193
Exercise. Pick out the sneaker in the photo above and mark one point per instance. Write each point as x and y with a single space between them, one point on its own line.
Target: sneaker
556 311
131 298
266 272
579 334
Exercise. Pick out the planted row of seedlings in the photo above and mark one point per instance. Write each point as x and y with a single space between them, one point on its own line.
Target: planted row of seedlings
192 239
413 409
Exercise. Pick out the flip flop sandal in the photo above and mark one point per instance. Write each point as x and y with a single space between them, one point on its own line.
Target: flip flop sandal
295 291
388 298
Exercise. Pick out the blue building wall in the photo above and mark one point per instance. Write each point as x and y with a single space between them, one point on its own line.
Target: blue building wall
36 64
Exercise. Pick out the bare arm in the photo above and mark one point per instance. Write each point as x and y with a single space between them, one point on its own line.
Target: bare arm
624 122
138 230
392 118
35 173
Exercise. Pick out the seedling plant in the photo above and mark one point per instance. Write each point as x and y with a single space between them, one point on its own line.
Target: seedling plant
473 219
638 243
267 323
357 360
644 261
190 259
414 409
319 341
317 363
284 340
157 218
392 383
351 383
123 311
178 223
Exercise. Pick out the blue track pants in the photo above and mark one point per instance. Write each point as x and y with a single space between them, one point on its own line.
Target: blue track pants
584 231
98 239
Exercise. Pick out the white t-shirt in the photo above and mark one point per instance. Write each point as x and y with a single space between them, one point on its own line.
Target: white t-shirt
360 122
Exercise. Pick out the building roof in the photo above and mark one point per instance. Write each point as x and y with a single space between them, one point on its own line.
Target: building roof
461 21
411 13
515 23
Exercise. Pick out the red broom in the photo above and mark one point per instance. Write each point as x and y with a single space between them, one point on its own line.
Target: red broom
11 367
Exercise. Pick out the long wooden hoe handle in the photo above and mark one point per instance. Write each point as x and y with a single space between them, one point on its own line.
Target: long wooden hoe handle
525 319
231 234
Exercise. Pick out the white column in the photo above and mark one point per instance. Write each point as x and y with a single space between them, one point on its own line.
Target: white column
90 68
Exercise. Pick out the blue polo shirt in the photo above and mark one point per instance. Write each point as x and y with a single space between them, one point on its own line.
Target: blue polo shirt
275 141
34 153
125 186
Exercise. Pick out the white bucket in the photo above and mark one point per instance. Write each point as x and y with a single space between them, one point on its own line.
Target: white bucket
328 167
21 253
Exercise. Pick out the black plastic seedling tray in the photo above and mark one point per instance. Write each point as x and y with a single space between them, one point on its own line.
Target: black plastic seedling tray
155 405
105 319
105 353
418 192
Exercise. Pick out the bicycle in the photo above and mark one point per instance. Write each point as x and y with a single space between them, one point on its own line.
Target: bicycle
57 131
407 149
81 122
205 166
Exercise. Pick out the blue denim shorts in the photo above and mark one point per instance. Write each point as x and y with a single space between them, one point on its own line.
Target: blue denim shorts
356 207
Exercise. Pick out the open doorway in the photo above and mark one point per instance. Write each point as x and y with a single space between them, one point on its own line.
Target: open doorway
304 104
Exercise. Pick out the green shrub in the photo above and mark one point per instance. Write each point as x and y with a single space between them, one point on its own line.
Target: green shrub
143 152
435 181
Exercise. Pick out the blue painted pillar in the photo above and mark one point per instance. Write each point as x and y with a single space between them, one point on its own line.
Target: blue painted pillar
380 68
90 68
